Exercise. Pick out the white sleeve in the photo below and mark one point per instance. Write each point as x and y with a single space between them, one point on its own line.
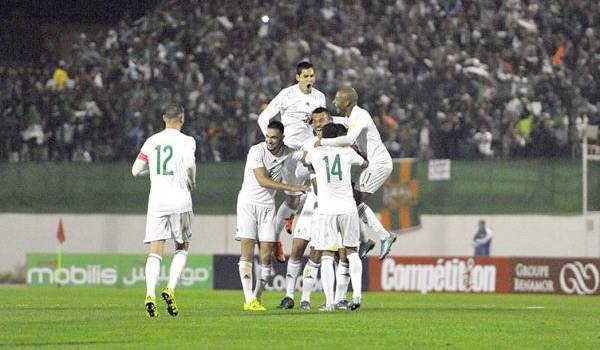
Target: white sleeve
273 108
308 158
323 100
355 159
341 120
354 130
255 158
140 166
191 165
297 155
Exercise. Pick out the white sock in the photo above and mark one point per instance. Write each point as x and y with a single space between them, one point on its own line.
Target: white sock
265 275
355 275
245 269
283 213
309 278
328 278
290 277
152 272
368 216
342 279
177 265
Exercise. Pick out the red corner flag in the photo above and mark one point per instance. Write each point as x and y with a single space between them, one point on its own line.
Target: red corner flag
60 233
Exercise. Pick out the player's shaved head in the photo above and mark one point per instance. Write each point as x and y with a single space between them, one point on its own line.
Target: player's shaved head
345 99
348 93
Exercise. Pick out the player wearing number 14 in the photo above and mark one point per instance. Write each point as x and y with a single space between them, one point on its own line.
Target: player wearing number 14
337 222
168 157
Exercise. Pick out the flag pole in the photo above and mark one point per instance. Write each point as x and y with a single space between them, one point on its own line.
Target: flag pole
59 257
60 236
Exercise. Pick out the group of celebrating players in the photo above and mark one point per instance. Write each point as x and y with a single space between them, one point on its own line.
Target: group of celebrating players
332 218
309 155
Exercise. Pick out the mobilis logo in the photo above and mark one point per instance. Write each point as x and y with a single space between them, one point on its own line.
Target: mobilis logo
576 278
90 274
453 275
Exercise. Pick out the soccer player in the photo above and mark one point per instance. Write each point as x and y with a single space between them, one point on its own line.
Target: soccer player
294 105
363 132
265 166
337 217
303 228
168 157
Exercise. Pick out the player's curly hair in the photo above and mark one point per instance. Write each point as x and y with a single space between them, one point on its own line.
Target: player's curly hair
333 130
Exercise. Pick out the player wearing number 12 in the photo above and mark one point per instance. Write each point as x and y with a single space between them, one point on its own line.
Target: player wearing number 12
168 157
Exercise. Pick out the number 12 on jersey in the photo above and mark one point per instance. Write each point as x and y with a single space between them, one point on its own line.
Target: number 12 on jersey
335 169
168 151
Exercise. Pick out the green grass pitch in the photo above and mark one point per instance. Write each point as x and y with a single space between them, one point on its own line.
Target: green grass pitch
102 318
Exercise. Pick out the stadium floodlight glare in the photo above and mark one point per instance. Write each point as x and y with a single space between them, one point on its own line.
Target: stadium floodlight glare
265 19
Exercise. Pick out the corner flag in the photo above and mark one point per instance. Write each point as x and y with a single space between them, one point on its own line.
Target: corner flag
60 233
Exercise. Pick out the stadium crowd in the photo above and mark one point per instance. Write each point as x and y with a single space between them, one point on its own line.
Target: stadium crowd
443 78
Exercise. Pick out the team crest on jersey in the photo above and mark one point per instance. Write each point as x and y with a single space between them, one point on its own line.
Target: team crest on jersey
275 172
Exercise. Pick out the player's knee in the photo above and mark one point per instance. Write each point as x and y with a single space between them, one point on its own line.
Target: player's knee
350 250
182 246
296 253
314 255
328 253
293 201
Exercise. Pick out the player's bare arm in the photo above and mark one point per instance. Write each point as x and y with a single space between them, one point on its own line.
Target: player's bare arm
191 178
265 181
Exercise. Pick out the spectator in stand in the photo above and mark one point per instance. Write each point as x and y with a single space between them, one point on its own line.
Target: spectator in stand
483 138
465 61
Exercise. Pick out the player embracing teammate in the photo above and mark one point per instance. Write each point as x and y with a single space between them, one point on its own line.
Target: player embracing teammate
293 106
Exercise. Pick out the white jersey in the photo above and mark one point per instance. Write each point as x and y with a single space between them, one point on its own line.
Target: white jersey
275 165
170 158
295 109
334 186
362 132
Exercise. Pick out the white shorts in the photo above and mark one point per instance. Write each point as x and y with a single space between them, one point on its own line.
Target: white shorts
176 226
336 231
304 223
296 176
255 222
373 177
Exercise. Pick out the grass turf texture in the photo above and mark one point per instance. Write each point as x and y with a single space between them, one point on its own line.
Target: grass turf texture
115 318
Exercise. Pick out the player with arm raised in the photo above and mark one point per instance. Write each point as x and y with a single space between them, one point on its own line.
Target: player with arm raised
337 223
294 106
363 133
168 157
266 164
